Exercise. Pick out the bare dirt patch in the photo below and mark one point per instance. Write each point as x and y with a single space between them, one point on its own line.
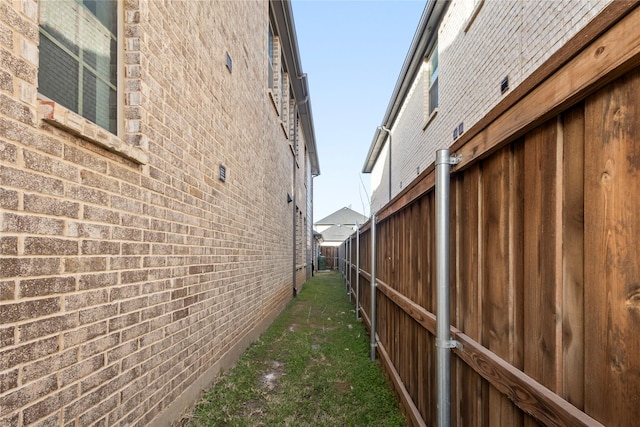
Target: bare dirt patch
269 380
294 328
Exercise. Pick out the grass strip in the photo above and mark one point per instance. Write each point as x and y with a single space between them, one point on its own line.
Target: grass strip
310 368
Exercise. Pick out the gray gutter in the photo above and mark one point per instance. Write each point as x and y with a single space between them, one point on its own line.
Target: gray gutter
423 41
286 30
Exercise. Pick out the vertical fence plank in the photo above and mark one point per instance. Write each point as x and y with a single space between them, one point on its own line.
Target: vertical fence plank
470 307
573 259
541 310
422 297
498 333
516 250
612 252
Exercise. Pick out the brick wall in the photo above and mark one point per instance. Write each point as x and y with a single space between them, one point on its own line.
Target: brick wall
505 39
129 273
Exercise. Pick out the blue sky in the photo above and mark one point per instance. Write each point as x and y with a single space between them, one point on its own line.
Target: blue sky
352 52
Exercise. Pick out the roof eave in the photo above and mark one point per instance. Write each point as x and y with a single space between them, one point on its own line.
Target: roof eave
423 41
283 16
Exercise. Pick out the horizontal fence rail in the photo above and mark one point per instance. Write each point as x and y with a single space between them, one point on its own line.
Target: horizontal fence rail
545 257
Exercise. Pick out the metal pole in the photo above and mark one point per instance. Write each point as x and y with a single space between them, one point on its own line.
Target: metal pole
443 337
349 267
373 287
344 264
357 271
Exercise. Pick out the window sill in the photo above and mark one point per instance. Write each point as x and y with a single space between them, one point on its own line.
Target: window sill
272 97
472 18
61 117
284 130
430 119
294 154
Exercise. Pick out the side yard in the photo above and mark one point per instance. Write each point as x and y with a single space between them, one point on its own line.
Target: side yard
311 367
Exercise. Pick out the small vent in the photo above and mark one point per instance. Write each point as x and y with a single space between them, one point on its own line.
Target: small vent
223 173
460 128
504 85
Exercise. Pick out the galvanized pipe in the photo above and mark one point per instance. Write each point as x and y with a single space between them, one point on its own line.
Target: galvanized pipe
373 288
349 266
357 271
443 338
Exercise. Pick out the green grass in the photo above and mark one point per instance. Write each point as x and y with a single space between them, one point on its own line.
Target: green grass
310 368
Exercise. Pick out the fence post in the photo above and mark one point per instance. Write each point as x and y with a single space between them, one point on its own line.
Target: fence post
443 337
357 271
349 267
373 287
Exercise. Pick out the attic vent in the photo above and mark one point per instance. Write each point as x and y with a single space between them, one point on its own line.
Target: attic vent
223 173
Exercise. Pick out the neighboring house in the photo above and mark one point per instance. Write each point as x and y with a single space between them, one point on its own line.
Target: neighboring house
335 229
156 166
465 57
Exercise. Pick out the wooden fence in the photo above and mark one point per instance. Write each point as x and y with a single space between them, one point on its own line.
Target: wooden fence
545 251
331 253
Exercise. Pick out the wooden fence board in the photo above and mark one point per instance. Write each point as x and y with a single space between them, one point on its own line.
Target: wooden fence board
496 284
612 248
516 250
523 390
470 296
406 401
541 309
573 261
531 396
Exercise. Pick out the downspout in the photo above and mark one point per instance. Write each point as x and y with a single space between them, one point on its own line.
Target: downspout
315 250
444 343
295 190
384 128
